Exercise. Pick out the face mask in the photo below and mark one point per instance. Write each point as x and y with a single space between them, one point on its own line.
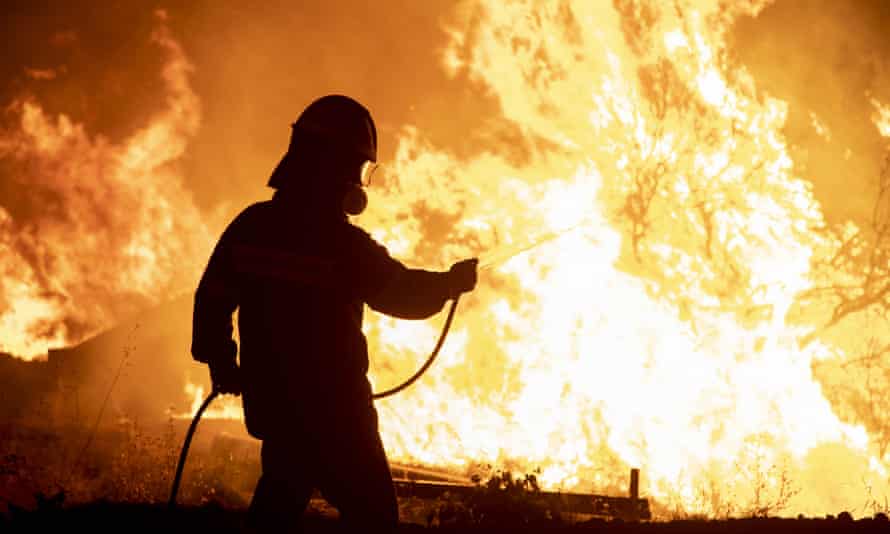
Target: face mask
355 200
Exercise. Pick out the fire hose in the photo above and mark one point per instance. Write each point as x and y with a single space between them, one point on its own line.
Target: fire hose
177 478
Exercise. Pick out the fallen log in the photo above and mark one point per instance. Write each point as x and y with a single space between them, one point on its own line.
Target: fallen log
630 508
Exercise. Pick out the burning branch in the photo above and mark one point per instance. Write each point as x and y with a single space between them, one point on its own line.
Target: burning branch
863 395
858 272
685 189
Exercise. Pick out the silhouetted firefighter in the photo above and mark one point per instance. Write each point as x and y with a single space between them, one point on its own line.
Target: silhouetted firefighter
300 273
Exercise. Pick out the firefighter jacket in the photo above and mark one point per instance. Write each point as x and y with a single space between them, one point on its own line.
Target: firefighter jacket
299 281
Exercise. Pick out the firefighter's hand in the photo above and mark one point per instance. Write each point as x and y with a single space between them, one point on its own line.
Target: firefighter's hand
462 276
226 378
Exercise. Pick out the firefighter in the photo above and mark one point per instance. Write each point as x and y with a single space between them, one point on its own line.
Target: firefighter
299 274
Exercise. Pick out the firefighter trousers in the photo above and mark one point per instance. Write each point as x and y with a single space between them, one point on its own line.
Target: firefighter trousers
345 461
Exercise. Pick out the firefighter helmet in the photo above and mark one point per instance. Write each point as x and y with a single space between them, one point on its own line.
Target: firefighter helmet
334 121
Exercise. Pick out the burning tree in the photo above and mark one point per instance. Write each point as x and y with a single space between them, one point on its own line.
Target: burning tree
853 293
693 160
686 282
681 317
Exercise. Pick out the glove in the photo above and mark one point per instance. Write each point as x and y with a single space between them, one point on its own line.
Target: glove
462 277
226 378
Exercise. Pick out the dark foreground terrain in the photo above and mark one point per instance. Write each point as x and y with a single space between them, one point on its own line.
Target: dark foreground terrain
130 518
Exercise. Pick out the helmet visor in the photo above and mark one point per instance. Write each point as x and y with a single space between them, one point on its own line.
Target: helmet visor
369 168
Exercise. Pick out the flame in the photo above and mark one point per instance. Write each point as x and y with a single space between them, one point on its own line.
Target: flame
97 229
658 329
819 125
658 334
881 116
225 407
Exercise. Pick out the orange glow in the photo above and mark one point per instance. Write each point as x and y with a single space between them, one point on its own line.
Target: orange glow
658 324
225 407
124 232
591 353
881 117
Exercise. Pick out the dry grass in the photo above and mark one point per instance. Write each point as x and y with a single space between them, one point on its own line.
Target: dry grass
127 463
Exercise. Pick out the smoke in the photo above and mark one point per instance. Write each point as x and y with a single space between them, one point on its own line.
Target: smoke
828 60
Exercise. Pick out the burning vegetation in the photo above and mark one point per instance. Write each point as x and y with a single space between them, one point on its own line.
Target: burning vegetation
688 308
95 230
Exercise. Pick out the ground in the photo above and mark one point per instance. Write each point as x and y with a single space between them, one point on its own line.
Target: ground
71 479
210 518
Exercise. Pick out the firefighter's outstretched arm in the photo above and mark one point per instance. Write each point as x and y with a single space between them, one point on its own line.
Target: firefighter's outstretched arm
418 294
387 286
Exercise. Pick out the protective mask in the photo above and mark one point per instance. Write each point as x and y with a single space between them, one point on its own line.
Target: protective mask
355 200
